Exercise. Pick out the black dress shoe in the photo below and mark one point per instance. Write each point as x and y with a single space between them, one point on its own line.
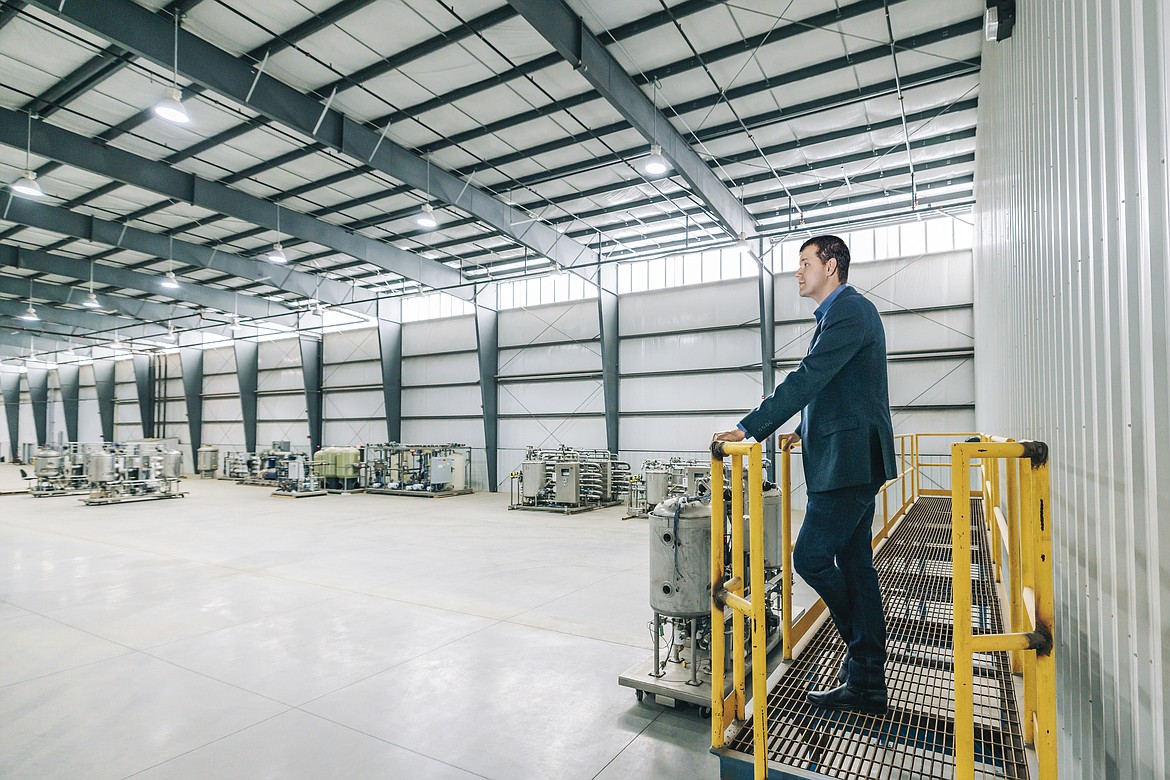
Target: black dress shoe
850 699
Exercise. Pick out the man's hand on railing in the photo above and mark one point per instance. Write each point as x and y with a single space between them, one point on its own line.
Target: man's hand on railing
735 434
788 440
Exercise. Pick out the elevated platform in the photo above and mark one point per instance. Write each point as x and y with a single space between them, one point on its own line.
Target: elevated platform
915 739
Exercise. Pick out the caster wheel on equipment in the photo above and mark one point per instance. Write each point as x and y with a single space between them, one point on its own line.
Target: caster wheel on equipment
638 695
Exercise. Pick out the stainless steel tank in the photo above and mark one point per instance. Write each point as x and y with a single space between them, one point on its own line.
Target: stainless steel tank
172 464
100 466
773 555
680 557
207 459
50 463
657 485
532 473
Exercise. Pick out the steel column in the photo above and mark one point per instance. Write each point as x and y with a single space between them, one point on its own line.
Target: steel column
311 373
191 361
767 347
69 378
144 380
10 383
607 318
103 380
248 373
390 353
487 341
38 394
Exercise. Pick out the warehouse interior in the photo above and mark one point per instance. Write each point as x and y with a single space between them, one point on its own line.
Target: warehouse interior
406 269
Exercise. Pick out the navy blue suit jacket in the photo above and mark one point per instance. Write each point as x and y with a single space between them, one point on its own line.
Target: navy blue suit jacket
842 390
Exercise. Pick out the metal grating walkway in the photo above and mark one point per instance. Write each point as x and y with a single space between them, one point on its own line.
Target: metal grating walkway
914 740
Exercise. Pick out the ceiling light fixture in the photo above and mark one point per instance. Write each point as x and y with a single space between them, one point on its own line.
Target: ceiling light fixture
30 314
91 302
170 336
171 108
234 323
277 255
654 164
426 217
169 281
741 245
27 183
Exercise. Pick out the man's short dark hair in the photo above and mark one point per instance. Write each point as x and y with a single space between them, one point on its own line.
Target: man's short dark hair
831 248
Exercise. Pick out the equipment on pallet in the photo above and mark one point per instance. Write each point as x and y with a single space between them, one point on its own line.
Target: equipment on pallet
295 476
339 468
61 471
680 592
569 480
662 479
239 466
207 461
428 470
133 472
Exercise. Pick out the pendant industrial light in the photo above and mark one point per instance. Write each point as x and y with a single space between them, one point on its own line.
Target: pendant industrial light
277 254
169 281
234 322
27 183
426 217
654 164
170 336
171 108
91 302
30 314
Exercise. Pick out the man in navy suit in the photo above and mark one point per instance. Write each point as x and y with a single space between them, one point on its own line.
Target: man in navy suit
841 391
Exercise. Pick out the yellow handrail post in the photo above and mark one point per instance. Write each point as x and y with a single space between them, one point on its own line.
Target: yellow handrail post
737 645
1045 623
718 722
759 620
961 588
1015 571
1027 585
786 550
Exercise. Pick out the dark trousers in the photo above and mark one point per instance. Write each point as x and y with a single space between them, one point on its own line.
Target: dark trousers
834 555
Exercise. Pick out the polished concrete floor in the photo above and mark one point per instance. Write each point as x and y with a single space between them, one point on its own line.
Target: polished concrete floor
233 634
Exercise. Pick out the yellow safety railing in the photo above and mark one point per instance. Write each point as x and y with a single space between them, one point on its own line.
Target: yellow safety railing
729 591
1026 531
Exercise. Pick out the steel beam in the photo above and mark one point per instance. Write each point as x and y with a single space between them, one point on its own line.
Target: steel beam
103 380
135 310
113 276
311 373
144 381
248 372
390 355
191 362
569 35
767 287
10 384
69 378
87 154
487 341
147 34
114 234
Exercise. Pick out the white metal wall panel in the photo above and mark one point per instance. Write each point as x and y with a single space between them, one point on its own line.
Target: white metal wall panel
440 401
949 382
295 433
355 374
225 435
279 353
1072 324
686 392
690 308
445 335
221 384
905 332
438 430
550 359
222 410
343 433
440 369
221 360
683 351
349 345
552 322
552 398
356 404
89 422
690 435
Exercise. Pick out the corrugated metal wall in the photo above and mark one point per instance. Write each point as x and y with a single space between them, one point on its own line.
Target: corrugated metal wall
1072 319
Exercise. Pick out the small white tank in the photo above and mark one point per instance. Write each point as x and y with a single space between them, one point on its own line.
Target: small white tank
172 464
100 466
680 557
50 463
